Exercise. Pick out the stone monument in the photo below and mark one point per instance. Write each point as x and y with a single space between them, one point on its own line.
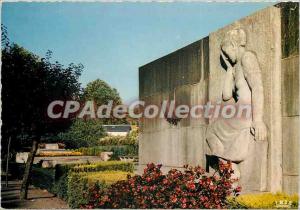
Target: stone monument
253 61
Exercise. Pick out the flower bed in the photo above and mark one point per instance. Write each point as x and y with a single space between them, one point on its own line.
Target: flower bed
189 189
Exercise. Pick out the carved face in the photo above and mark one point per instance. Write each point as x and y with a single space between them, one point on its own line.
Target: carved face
230 51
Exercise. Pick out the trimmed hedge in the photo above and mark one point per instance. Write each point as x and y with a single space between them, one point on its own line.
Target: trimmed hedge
56 180
62 172
118 150
90 151
264 201
81 182
104 166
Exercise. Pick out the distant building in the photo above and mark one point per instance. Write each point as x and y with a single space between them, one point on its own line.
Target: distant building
117 130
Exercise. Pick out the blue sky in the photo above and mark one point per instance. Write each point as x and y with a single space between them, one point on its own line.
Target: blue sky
112 40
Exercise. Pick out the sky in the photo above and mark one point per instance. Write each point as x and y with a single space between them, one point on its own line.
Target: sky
112 40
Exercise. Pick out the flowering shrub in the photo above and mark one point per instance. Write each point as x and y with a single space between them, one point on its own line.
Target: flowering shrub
191 188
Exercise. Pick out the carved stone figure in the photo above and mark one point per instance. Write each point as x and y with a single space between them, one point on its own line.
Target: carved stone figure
228 139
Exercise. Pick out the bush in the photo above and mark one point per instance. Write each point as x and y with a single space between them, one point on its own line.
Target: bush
43 178
16 170
188 189
104 166
60 187
264 201
62 172
130 139
83 133
57 180
90 151
108 177
118 150
81 182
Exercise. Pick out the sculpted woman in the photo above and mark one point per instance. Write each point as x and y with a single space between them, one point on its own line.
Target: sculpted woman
228 139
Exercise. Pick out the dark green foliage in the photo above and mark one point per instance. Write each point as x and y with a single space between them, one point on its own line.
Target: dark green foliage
83 133
43 178
78 189
118 150
61 180
77 186
16 170
29 84
101 93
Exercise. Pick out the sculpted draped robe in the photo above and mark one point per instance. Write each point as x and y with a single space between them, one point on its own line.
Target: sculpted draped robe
230 138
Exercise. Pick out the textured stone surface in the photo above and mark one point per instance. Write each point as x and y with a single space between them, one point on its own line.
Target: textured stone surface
290 95
253 169
291 184
290 145
181 76
182 67
290 86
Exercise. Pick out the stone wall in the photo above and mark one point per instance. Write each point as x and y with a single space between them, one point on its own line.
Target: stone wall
180 76
192 75
290 95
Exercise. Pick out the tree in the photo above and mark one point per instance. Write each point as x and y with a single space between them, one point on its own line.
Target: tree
83 133
101 93
29 84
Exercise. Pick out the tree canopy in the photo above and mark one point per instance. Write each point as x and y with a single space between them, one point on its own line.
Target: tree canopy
29 84
101 93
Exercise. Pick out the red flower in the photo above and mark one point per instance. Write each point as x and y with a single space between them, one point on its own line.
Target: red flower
173 199
183 200
191 186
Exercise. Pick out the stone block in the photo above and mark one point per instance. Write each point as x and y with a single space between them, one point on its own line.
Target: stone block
291 184
21 157
254 168
290 86
195 146
290 145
